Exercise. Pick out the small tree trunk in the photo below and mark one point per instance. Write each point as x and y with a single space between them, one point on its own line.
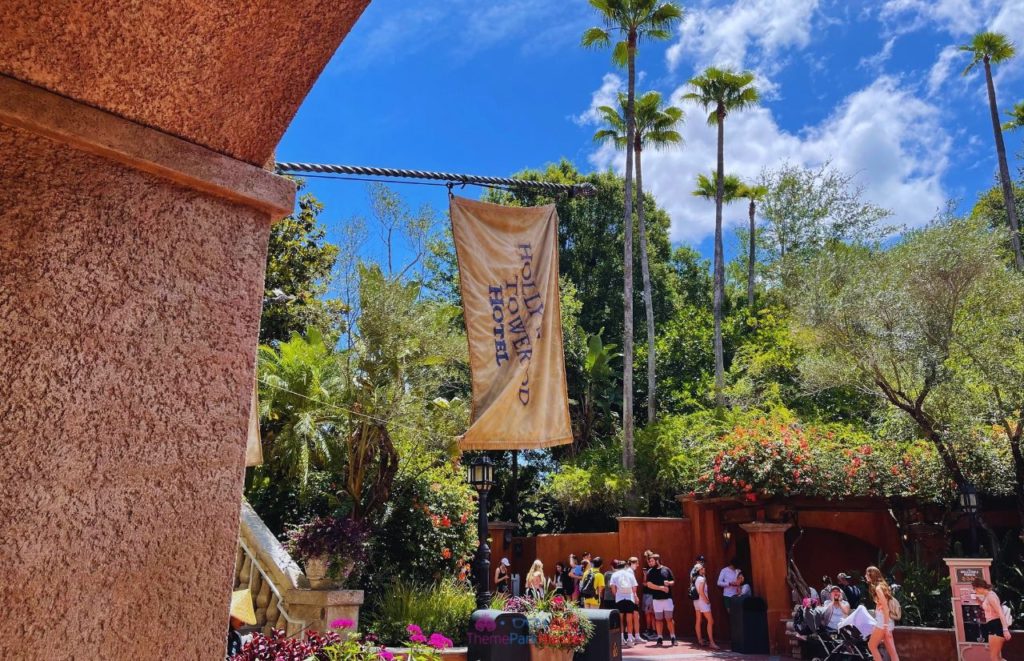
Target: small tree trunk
719 268
648 305
627 269
750 260
1004 171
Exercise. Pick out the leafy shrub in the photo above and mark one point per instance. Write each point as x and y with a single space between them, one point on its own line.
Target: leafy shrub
426 526
594 481
442 606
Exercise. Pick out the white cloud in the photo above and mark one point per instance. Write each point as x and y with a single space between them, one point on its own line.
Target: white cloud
743 34
893 141
958 17
940 71
877 61
606 95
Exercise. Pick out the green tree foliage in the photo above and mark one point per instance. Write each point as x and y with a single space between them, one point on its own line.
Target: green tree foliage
990 208
299 265
806 209
1016 116
931 326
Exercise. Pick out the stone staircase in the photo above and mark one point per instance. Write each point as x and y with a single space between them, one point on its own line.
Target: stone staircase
282 595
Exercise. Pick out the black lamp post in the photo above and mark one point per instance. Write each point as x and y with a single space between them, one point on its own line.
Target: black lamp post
480 474
969 506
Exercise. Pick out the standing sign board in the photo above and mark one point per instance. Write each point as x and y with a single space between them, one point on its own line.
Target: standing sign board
971 643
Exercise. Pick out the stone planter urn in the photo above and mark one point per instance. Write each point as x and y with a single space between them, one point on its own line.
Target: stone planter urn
317 569
538 653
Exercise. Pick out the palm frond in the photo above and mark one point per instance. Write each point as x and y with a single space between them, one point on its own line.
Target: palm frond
595 38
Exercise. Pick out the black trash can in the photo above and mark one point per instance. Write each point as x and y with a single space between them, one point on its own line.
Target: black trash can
748 625
606 644
498 636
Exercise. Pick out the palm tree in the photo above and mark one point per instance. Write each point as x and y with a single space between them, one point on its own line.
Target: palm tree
1016 117
754 193
992 48
721 92
633 21
655 126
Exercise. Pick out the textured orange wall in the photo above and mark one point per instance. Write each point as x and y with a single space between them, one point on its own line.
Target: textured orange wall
129 309
228 75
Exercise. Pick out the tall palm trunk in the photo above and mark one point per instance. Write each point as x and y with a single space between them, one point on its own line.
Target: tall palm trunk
719 277
750 260
646 271
1004 170
627 266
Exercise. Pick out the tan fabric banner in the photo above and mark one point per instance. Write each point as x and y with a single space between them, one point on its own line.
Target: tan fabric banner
508 266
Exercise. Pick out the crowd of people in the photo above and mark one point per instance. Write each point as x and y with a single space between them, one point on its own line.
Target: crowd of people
641 590
642 593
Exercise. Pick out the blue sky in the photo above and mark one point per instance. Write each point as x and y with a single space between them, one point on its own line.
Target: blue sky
491 87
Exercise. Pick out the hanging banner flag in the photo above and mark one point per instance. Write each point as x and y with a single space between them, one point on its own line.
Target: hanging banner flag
508 267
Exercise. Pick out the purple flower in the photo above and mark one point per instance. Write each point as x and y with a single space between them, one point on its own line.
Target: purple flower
414 629
342 623
437 641
386 655
418 638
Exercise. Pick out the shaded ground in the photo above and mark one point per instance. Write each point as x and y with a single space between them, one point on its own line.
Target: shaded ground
688 651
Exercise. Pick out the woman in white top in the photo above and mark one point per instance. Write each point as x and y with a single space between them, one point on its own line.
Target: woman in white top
535 580
995 626
884 624
702 606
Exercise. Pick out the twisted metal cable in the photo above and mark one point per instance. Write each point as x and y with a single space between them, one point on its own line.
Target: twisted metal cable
574 190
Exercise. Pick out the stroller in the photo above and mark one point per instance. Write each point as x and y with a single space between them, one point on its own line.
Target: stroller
823 644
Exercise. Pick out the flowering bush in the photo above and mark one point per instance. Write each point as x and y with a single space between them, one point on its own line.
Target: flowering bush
340 539
555 622
770 458
331 647
427 525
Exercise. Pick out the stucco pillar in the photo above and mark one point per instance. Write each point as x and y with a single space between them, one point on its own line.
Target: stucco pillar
768 560
134 219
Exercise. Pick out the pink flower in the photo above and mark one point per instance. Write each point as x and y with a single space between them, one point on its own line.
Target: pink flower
439 642
418 638
385 655
414 629
342 624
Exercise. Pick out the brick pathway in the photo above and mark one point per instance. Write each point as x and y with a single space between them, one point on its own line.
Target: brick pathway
687 651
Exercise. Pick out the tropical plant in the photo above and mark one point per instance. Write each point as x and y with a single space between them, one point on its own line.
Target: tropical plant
991 48
445 605
1016 117
707 187
301 385
278 646
632 21
754 193
721 92
598 378
655 127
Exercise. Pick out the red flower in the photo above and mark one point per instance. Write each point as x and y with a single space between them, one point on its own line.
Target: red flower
446 522
446 553
751 497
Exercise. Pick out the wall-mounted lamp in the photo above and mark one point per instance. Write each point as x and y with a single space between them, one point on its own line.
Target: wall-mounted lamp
726 537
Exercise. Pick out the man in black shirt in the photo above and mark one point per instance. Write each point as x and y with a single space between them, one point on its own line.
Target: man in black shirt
659 582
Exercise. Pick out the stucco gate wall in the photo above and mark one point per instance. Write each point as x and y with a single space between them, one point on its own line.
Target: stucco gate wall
133 229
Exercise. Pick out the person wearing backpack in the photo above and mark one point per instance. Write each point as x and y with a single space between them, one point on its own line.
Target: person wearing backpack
887 611
702 606
592 583
997 619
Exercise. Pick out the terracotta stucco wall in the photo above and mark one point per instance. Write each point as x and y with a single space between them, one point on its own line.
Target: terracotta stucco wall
228 75
129 310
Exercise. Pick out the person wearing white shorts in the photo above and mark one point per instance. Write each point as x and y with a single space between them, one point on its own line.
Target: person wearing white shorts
660 581
702 608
